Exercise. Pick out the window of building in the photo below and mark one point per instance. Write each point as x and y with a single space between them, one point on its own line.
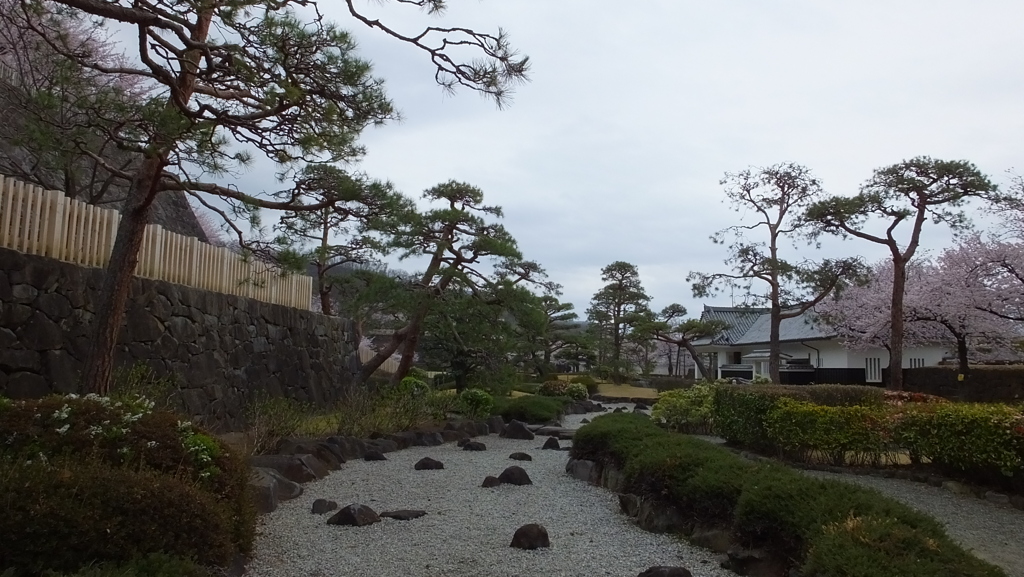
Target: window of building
873 370
916 363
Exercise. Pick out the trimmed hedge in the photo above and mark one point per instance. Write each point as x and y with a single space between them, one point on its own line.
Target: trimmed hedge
799 429
985 443
686 410
826 527
534 409
740 410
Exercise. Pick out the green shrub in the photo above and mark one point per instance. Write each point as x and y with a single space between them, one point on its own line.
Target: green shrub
685 410
554 389
985 442
801 429
363 411
531 409
140 380
269 419
476 403
577 391
66 513
739 411
153 565
770 505
869 546
410 386
587 381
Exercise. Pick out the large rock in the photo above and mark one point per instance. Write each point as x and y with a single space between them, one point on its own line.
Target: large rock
404 514
659 517
429 439
630 504
321 506
450 435
515 475
355 515
350 447
584 470
520 457
490 481
531 536
663 571
381 445
428 464
296 468
517 430
474 446
496 425
551 443
270 488
327 453
374 455
403 440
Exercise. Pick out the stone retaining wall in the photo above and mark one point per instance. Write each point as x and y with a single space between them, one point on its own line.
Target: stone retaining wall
223 348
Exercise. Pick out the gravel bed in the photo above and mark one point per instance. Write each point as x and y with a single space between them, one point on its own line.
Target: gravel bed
992 532
467 529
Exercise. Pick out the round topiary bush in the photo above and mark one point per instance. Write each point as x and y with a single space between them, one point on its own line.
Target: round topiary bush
476 403
576 391
554 389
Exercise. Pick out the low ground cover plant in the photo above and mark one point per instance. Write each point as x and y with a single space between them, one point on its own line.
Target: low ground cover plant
825 527
96 480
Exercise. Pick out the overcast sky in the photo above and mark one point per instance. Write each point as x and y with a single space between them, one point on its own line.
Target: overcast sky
615 148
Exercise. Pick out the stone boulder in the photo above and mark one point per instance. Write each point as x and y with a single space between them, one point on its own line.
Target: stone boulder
630 504
584 421
374 455
403 440
658 517
429 439
404 514
381 445
474 446
531 536
641 407
296 468
517 430
450 436
355 515
321 506
663 571
327 453
350 447
551 443
490 481
270 488
496 425
428 464
520 457
584 470
515 475
463 441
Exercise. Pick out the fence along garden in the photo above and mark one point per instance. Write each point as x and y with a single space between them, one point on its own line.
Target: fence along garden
47 223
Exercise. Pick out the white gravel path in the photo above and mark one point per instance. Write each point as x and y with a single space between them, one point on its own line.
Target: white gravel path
467 529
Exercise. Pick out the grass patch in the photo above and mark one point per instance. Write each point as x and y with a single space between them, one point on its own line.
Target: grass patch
626 391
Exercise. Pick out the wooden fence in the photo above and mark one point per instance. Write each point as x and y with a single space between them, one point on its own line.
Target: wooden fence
47 223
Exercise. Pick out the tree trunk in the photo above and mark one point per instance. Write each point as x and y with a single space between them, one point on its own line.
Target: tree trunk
134 217
697 360
961 356
118 278
370 366
899 283
325 298
408 352
774 346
